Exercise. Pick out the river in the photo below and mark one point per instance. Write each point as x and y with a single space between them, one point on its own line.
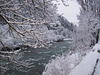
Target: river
40 57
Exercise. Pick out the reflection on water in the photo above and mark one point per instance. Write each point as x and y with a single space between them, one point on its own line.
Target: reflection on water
39 57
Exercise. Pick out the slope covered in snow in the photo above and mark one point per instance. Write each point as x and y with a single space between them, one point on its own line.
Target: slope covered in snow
88 65
97 72
75 64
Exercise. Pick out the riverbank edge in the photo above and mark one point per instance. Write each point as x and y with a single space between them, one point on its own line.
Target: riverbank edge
89 64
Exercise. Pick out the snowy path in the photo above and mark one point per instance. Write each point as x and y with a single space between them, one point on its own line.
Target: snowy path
86 66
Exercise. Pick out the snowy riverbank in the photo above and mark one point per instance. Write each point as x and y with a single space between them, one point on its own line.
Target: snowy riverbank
90 65
75 64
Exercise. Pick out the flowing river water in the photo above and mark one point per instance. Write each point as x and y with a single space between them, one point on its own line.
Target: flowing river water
39 57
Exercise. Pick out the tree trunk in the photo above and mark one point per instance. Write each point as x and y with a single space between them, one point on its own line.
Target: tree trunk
97 38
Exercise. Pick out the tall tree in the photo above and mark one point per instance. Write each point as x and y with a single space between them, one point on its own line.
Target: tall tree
87 34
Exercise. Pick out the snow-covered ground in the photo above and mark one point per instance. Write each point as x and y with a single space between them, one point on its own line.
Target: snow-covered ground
88 65
97 72
75 64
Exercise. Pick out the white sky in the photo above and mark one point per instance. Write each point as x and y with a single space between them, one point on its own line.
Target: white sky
69 12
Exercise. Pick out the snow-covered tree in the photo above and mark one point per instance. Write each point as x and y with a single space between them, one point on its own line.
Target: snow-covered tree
87 33
23 22
24 18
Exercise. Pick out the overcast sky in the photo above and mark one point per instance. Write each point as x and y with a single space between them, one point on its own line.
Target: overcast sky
69 12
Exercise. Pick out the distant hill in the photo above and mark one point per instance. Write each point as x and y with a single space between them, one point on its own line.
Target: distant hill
65 23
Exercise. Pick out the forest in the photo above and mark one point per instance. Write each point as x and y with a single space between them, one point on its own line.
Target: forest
36 40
